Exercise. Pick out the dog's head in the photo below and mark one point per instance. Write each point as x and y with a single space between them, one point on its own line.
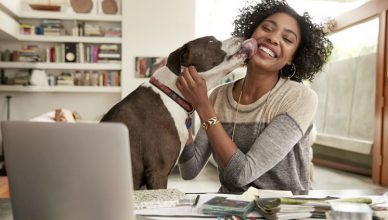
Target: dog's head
204 53
212 58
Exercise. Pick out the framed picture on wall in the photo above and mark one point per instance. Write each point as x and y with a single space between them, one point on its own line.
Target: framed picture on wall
146 66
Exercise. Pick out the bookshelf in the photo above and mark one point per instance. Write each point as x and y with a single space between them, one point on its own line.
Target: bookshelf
70 16
60 66
149 29
91 101
64 39
60 89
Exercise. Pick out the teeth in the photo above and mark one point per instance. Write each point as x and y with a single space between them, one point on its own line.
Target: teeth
268 51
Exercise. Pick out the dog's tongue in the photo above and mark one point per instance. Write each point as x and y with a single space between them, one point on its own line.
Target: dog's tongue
250 46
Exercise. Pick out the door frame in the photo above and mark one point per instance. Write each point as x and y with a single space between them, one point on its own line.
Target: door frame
371 9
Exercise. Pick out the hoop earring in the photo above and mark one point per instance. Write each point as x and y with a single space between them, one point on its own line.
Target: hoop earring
293 70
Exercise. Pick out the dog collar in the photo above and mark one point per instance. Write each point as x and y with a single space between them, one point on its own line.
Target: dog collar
173 95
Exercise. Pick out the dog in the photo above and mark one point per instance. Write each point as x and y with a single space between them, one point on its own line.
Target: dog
155 112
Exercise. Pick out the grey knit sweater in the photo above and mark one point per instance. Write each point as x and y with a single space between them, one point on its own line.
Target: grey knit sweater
278 158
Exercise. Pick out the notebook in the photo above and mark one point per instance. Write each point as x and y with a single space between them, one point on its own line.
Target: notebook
68 170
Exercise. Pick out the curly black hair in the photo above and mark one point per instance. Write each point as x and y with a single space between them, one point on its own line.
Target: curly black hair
314 48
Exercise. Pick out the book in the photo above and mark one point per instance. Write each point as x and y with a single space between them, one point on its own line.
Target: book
225 206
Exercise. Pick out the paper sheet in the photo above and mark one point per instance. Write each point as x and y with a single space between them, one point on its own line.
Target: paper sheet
189 211
253 192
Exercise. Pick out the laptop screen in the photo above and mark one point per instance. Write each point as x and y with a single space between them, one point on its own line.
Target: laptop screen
68 170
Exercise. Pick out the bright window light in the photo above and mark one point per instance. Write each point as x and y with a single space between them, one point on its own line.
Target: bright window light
215 17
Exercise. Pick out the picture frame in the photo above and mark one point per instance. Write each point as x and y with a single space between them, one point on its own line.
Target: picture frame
146 66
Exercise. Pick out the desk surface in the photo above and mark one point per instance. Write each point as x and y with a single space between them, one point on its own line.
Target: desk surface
6 213
4 190
5 204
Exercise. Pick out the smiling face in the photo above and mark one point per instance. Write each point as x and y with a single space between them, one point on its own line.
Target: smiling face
278 37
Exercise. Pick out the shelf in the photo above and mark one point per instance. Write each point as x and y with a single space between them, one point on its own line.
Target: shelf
66 89
61 66
14 9
6 36
8 28
10 7
43 38
69 16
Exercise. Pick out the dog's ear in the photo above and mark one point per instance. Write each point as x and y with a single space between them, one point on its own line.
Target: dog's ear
174 61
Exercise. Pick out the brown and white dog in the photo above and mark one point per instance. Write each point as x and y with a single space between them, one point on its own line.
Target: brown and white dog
155 113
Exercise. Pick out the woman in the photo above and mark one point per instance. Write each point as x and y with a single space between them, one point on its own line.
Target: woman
266 118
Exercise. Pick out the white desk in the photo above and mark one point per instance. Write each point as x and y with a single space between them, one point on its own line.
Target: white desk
6 213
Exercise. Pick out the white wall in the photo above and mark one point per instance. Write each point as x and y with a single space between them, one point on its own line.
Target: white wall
153 28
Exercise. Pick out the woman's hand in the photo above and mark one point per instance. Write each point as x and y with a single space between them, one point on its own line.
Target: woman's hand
193 88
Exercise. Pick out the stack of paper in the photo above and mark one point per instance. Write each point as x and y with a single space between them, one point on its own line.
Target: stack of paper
344 210
294 208
253 192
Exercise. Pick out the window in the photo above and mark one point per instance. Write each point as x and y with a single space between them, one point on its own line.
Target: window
215 17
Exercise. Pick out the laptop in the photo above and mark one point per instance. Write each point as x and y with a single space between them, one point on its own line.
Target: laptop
68 170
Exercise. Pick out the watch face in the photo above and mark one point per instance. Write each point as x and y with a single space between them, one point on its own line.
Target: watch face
70 56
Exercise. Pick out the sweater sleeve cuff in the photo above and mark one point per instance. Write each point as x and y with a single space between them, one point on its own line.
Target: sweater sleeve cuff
187 153
232 169
186 169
